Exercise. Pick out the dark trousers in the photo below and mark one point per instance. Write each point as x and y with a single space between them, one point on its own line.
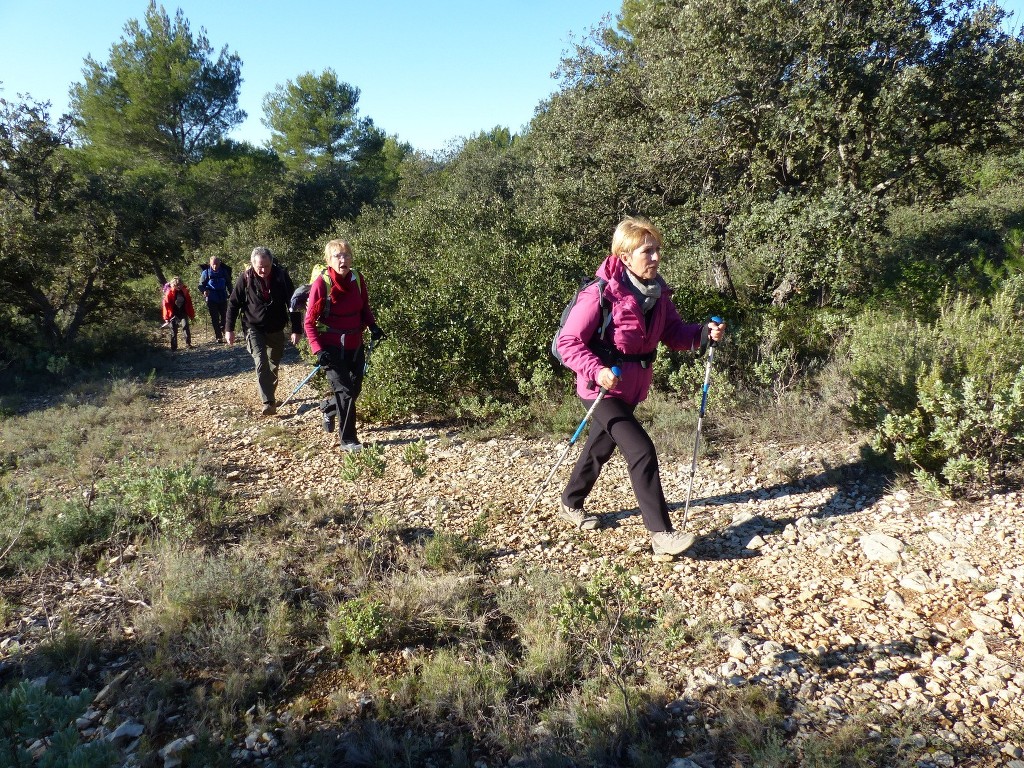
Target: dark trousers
177 322
614 425
345 377
267 349
218 313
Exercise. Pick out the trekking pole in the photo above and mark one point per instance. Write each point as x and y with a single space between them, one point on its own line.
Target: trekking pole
369 351
700 419
301 385
572 440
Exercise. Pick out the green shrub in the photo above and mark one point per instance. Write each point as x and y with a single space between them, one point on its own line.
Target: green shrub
944 396
177 502
357 624
962 433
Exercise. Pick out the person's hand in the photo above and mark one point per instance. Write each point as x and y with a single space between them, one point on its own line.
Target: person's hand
229 337
295 339
324 358
376 333
716 331
606 379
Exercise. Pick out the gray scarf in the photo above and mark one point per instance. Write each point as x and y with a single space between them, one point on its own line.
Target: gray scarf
646 293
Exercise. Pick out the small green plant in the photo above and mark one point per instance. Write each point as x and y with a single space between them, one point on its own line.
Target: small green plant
414 456
28 712
177 502
369 461
357 624
963 434
609 619
450 552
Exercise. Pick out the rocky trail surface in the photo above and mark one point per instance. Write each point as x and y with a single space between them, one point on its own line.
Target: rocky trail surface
847 594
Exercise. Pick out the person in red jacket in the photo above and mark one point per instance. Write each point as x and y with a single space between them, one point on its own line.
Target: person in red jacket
337 312
642 316
178 310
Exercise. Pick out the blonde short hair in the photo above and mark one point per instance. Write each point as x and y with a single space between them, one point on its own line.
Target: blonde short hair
337 246
631 234
176 282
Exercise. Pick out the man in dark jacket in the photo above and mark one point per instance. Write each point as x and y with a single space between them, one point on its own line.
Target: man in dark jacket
260 296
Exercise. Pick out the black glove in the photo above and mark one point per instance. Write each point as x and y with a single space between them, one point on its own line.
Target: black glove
324 358
376 333
705 338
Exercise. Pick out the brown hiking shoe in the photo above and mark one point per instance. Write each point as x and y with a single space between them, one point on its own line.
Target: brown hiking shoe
577 518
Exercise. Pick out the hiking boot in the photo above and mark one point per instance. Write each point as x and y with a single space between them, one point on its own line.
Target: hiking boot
577 518
328 422
671 542
352 447
269 409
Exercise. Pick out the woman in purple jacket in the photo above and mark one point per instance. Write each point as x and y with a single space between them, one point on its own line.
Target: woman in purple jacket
642 315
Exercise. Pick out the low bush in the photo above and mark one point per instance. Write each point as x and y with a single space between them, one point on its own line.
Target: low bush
944 397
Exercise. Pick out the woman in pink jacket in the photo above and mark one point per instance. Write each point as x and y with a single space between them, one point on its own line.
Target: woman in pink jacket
642 315
337 312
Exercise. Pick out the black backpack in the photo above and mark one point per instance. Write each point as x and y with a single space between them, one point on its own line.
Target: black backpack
606 318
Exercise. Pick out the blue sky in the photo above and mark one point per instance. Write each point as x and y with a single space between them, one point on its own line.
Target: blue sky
429 72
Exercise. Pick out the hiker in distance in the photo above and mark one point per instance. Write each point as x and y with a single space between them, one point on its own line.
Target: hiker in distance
214 285
639 305
178 311
337 312
260 297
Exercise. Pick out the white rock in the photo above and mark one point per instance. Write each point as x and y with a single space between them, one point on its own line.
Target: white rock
986 623
881 548
909 682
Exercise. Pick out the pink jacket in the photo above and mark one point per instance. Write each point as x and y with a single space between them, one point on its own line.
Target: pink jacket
628 332
350 313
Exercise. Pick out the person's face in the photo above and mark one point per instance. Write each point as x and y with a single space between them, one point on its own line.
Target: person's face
214 262
340 262
261 266
643 261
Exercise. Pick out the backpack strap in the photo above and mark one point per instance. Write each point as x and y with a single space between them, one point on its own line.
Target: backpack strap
609 353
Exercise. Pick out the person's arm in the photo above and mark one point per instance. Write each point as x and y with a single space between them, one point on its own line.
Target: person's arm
677 334
236 304
314 303
294 319
189 307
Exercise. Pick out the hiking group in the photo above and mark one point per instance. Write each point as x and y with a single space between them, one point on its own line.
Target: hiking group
608 337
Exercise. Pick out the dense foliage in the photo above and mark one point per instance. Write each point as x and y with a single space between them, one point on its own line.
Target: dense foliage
807 163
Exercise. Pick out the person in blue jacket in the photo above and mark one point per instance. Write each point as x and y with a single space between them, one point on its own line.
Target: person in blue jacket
214 284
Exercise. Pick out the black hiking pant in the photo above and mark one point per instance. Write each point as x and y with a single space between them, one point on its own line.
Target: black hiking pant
614 425
345 377
218 314
177 322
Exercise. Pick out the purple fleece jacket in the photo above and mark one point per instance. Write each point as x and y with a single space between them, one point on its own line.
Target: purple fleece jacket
628 331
